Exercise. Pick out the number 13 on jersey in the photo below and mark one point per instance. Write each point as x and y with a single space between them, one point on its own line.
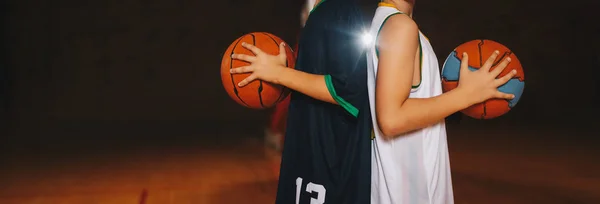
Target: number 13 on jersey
311 188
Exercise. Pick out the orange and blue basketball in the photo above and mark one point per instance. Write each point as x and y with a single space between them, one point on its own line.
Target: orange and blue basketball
479 51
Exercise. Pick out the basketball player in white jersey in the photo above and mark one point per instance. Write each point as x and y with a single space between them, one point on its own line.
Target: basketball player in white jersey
410 163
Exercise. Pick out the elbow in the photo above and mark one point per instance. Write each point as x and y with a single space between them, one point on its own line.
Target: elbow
391 126
386 132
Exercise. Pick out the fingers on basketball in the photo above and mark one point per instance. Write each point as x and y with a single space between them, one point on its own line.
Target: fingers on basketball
504 79
244 57
252 48
464 63
490 61
247 80
498 69
502 95
241 70
282 52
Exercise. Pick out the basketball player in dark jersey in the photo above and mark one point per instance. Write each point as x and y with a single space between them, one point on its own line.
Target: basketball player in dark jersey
276 127
326 155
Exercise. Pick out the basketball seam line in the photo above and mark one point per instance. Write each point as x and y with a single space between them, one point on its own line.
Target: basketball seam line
260 82
280 98
231 75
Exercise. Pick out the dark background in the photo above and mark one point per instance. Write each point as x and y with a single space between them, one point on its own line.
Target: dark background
132 72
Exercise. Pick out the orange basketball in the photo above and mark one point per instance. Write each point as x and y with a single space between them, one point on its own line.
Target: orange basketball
257 94
479 51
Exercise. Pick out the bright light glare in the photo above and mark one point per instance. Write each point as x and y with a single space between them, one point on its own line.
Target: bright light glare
367 39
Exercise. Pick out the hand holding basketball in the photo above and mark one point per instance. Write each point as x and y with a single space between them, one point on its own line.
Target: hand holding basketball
482 84
484 79
259 94
263 66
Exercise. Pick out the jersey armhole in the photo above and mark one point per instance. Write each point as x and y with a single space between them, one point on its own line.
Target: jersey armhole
413 87
379 31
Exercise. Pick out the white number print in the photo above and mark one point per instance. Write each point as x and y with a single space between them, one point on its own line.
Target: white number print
311 188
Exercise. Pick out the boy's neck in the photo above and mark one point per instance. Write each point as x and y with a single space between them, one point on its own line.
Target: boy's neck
402 6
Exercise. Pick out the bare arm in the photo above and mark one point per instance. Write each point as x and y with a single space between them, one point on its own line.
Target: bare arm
396 113
340 79
270 68
312 85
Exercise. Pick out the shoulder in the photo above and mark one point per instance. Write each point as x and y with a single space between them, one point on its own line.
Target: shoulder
399 24
398 30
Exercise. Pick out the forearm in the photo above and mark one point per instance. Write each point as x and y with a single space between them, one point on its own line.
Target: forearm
417 113
312 85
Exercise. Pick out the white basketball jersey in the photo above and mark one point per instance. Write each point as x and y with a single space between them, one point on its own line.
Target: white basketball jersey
413 168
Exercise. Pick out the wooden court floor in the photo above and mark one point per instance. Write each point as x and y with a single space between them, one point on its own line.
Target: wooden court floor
485 170
237 173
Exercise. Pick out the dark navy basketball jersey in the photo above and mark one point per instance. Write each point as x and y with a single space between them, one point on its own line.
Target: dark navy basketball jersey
326 155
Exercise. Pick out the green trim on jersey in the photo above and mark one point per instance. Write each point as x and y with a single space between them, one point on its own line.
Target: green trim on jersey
345 104
420 65
316 6
420 49
379 31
